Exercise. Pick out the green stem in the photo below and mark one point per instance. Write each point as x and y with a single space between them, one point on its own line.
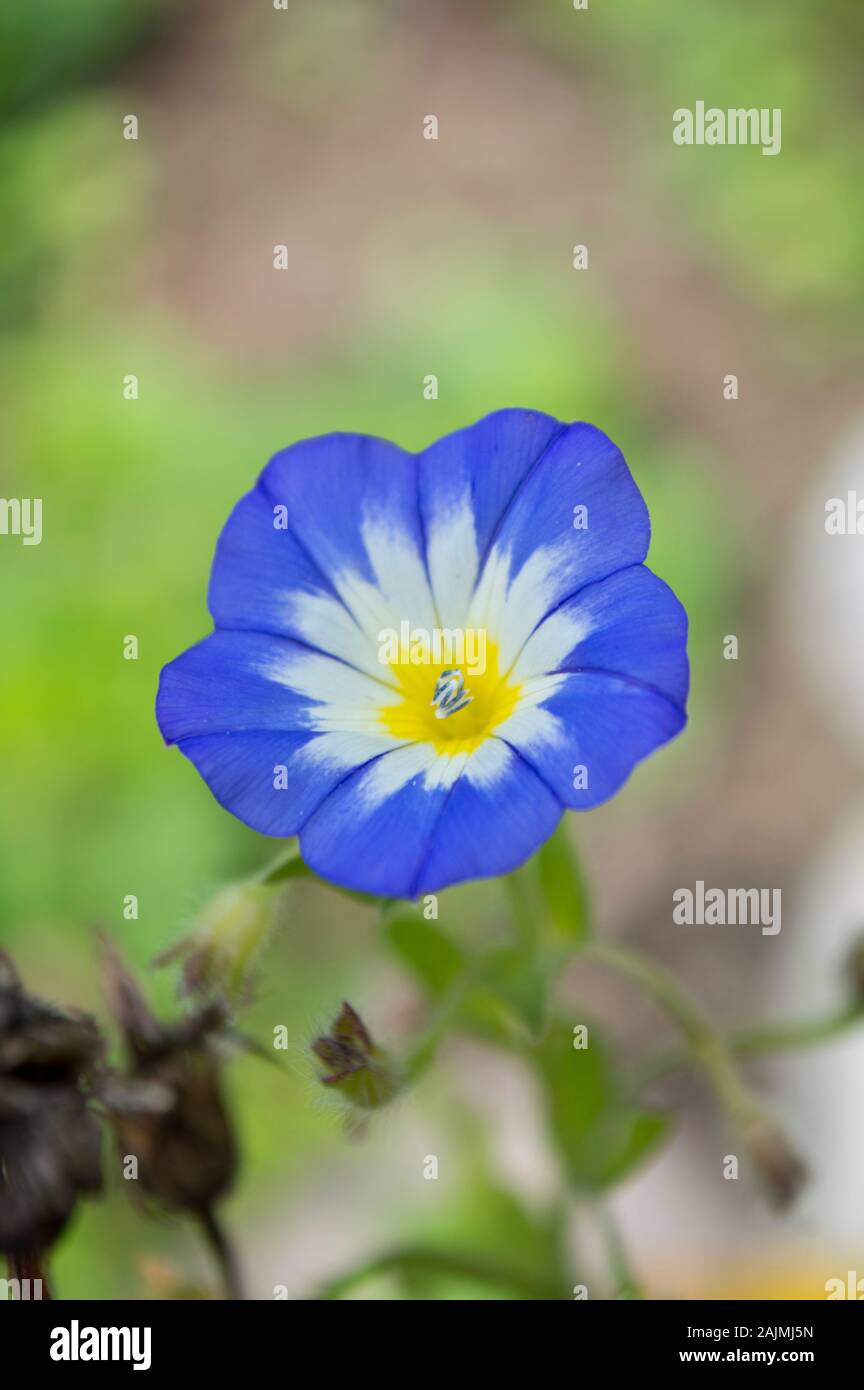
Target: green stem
762 1040
626 1284
704 1043
424 1048
447 1264
522 908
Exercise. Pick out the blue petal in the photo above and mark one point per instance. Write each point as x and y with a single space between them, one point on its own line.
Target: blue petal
239 770
228 706
375 849
258 571
580 468
605 724
301 533
486 463
330 483
489 830
219 686
636 628
419 840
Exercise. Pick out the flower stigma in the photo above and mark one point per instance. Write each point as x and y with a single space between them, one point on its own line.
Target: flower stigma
450 694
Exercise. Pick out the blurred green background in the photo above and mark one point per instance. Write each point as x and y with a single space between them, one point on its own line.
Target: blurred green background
406 257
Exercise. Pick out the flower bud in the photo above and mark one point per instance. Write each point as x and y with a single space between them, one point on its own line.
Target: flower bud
220 952
363 1073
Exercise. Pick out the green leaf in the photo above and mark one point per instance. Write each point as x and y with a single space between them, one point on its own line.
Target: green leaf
423 947
599 1135
504 995
518 978
628 1139
563 887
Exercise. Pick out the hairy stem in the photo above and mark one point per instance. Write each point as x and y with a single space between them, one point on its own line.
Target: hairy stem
704 1044
761 1040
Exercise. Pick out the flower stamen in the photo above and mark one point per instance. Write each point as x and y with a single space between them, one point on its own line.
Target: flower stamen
450 694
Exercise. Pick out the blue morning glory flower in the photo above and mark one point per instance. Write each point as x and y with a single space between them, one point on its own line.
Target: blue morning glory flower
420 660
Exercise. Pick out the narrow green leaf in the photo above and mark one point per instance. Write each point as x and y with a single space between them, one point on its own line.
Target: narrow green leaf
423 947
563 887
599 1135
630 1138
519 978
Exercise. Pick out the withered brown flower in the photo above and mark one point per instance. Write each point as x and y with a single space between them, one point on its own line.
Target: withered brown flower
363 1073
168 1109
781 1171
49 1140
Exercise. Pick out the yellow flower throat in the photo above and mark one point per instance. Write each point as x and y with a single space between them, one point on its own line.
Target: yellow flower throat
415 719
